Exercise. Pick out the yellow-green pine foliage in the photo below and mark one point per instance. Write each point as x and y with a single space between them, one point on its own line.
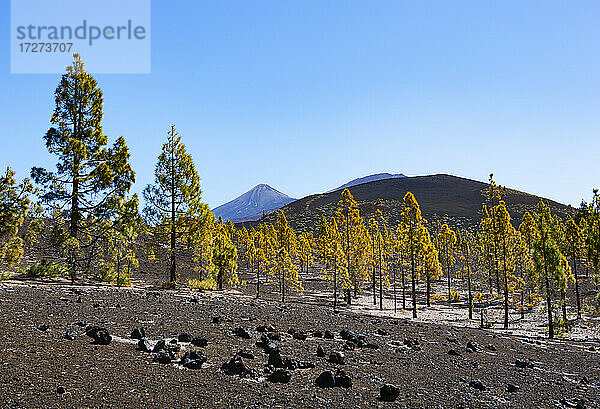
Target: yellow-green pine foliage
174 210
446 244
413 235
91 178
549 262
14 208
574 245
354 240
224 256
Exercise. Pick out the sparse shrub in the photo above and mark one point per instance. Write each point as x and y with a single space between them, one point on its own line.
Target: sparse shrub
45 268
205 284
166 285
562 327
454 296
5 275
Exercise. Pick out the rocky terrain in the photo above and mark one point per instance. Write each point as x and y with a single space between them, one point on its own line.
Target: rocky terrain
229 350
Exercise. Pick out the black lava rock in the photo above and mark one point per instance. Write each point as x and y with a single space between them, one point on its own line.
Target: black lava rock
162 357
138 333
185 337
342 380
70 335
144 345
280 376
388 393
242 333
477 385
512 388
193 360
199 342
275 359
337 358
320 351
325 380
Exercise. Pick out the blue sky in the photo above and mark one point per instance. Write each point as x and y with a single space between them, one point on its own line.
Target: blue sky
306 95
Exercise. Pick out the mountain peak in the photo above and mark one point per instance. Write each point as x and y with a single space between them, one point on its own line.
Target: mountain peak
262 198
367 179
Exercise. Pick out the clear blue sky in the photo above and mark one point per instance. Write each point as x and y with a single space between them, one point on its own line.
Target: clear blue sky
305 95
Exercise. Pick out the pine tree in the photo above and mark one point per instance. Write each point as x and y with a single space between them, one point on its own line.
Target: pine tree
224 256
90 179
15 207
412 231
284 270
446 243
174 210
431 264
506 239
574 245
352 229
466 244
549 262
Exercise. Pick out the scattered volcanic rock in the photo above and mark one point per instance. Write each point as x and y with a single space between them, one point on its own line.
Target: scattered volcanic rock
138 333
185 337
199 342
193 360
477 385
320 351
342 380
337 358
236 366
388 393
144 346
280 376
162 357
325 380
70 335
242 333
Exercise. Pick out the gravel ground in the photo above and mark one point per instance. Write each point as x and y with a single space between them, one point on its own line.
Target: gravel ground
37 363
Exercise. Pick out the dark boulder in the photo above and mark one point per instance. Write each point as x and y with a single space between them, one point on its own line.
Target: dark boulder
325 380
160 345
511 388
70 335
280 376
342 380
102 337
477 385
275 359
242 333
300 336
193 360
185 337
144 346
236 366
162 357
199 342
328 334
138 333
383 332
318 334
454 352
320 351
388 393
337 358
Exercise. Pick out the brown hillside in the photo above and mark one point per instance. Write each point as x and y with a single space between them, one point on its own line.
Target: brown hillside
455 200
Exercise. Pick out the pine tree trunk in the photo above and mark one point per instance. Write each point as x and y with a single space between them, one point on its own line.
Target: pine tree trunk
577 297
428 291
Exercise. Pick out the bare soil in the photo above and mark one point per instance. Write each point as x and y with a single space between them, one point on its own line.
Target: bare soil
36 363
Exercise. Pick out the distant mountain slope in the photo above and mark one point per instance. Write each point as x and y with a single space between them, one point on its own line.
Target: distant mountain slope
252 204
367 179
455 200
